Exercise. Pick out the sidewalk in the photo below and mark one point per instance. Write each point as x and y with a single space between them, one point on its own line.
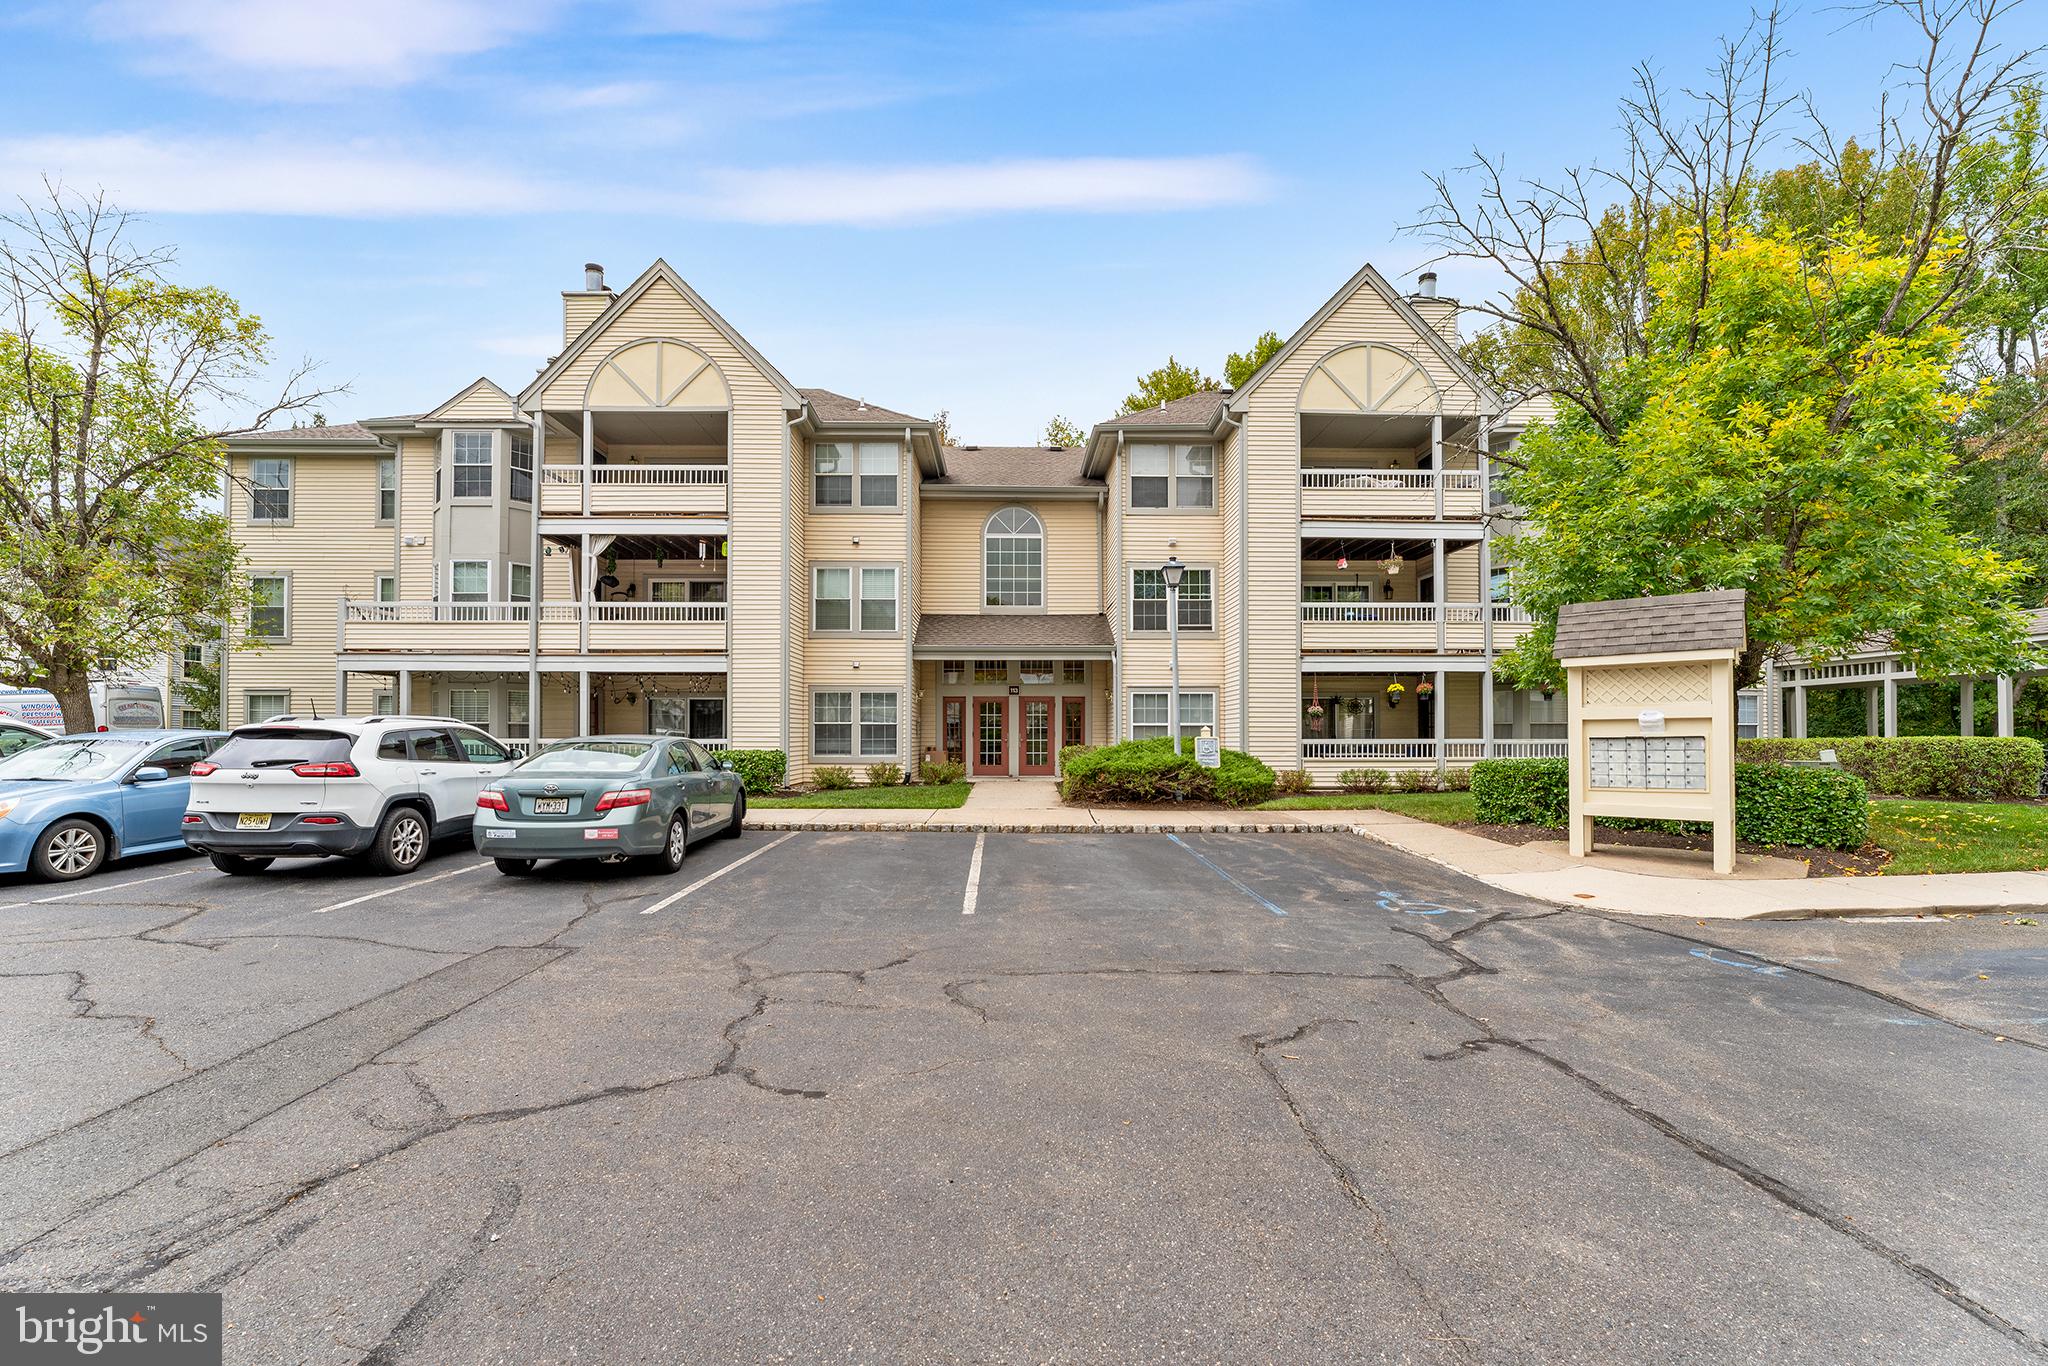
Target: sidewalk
1641 881
1032 806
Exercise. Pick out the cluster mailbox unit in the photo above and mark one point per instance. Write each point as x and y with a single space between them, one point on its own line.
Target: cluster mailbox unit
1652 711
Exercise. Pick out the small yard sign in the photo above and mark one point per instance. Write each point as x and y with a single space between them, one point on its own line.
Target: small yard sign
1208 750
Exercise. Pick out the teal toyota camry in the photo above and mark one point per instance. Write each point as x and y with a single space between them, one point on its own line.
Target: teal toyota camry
642 797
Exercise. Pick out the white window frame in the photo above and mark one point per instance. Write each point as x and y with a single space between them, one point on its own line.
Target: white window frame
385 581
512 592
1753 727
456 465
518 715
1028 676
513 469
861 723
283 576
290 487
1180 469
252 714
453 565
1188 728
1131 600
387 486
857 456
857 599
852 723
986 534
455 710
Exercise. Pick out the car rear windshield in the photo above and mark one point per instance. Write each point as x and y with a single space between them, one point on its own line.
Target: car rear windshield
278 747
587 756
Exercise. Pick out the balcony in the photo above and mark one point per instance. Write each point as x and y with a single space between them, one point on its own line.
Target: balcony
1408 627
432 627
633 490
1374 494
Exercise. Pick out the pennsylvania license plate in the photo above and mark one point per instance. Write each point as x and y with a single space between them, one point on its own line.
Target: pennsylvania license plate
550 806
601 832
253 820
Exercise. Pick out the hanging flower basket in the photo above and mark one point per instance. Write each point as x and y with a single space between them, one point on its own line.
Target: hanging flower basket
1425 689
1394 691
1315 718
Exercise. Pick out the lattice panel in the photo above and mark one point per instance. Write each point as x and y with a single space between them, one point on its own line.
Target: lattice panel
1647 684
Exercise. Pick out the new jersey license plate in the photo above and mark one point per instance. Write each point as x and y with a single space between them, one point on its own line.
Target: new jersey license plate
550 806
253 820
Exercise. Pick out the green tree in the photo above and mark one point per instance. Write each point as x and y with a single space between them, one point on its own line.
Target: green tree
943 420
197 689
1776 438
1241 366
1169 382
112 543
1063 432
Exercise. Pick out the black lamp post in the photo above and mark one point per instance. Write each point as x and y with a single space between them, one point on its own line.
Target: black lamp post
1171 573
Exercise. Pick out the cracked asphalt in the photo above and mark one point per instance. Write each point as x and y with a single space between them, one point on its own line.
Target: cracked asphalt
1206 1098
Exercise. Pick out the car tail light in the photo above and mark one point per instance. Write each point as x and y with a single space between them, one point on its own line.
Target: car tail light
204 767
493 801
628 796
320 820
344 769
195 820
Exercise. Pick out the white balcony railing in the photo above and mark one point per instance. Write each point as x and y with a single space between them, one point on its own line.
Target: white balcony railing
635 476
658 611
359 610
1407 613
1410 481
1452 751
526 748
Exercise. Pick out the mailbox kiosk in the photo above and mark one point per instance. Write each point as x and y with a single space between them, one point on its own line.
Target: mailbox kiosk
1652 711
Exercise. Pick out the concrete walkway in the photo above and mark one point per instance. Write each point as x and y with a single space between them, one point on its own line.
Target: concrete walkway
1033 806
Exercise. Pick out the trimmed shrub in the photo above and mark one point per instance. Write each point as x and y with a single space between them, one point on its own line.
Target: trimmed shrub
1069 753
885 775
1150 771
832 777
1457 780
1773 804
939 772
1968 768
1415 780
761 770
1292 782
1363 780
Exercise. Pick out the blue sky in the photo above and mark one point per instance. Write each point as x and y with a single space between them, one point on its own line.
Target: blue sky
1007 211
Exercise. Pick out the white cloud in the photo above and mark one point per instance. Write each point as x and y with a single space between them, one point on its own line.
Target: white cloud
888 195
148 173
312 48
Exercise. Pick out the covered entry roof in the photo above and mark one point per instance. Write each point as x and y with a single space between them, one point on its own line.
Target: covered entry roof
1052 634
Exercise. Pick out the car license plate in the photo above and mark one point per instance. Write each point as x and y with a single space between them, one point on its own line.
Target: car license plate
499 834
253 820
601 832
550 806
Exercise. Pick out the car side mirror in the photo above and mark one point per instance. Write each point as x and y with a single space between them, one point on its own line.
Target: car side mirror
151 774
724 765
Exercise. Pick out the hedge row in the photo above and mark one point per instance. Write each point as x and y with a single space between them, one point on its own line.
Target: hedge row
1970 768
1150 771
761 770
1815 807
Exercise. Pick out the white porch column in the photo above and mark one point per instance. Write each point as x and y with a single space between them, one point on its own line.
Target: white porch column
1966 708
583 726
1436 460
1440 709
405 692
2005 705
1873 709
1438 573
1799 711
589 595
1486 709
1891 707
589 457
340 688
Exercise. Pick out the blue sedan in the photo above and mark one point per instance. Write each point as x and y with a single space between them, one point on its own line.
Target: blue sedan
70 804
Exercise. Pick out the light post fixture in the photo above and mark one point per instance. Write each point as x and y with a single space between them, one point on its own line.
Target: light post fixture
1171 573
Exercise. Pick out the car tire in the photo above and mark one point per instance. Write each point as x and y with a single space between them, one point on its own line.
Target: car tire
70 849
514 867
674 848
401 843
239 863
738 818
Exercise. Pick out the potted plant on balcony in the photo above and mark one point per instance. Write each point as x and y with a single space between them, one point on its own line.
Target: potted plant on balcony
1315 710
1394 691
1425 690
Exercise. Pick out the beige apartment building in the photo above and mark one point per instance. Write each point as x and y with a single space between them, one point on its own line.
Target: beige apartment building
660 531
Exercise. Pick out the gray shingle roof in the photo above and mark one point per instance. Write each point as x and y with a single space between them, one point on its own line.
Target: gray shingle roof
1192 410
831 407
1021 631
1672 624
1014 467
334 431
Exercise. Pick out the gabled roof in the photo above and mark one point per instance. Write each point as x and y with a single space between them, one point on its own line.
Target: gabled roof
1013 467
1189 410
660 271
1368 277
490 390
1674 623
838 410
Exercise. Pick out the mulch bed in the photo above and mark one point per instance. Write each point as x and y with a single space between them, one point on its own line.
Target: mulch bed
1864 862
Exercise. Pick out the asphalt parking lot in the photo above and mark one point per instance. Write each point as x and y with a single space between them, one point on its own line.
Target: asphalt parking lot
947 1097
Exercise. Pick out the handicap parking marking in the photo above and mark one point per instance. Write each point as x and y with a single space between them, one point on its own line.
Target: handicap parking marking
397 887
674 897
1225 875
1760 969
88 891
973 876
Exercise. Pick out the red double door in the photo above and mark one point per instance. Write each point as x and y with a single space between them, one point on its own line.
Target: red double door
1034 727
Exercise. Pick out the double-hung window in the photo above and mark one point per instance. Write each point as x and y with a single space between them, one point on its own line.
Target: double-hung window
270 490
520 463
1746 707
849 597
472 459
387 489
270 612
1150 710
848 725
471 706
261 706
847 474
469 581
1149 597
519 584
1182 477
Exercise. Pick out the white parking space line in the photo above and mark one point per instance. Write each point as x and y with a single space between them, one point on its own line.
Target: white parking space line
673 897
397 887
89 891
973 878
1220 872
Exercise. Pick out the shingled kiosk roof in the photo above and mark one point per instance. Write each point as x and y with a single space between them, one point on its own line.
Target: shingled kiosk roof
1677 623
1025 631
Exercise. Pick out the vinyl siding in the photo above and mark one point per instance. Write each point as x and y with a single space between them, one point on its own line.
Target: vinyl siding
481 402
950 552
417 456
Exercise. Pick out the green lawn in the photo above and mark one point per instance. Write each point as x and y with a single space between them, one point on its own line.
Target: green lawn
1960 837
1443 808
943 797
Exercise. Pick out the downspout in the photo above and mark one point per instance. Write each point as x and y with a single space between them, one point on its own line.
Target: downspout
1244 597
788 474
536 585
905 610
